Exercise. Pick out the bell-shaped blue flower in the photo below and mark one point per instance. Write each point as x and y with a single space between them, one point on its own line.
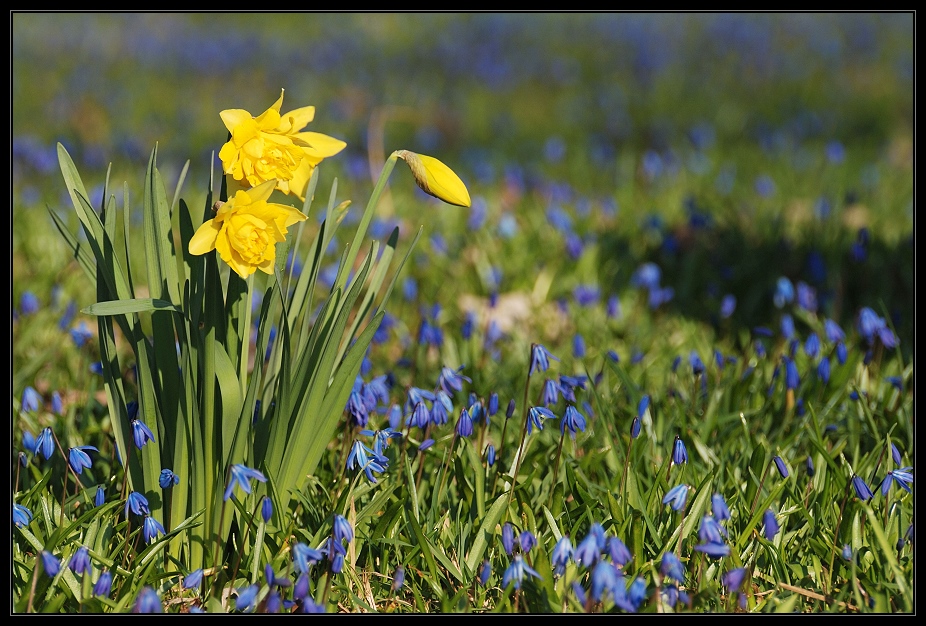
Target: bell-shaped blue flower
242 476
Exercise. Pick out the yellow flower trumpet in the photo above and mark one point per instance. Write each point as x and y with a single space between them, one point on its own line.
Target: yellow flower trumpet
271 146
246 229
436 179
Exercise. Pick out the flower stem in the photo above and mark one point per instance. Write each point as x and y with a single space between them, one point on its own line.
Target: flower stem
518 454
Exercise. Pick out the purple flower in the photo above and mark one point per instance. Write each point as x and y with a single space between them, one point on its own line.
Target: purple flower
485 572
148 602
193 580
734 579
21 516
719 506
50 563
78 459
713 549
168 479
45 443
901 476
573 420
727 306
620 554
246 597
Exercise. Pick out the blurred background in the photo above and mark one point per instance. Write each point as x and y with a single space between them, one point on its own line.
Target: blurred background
730 149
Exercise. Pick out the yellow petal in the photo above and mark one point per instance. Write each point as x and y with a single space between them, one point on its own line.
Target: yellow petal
203 239
320 144
261 192
436 179
234 117
296 120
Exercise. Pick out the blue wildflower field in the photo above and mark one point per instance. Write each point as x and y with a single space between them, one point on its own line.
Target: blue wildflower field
462 313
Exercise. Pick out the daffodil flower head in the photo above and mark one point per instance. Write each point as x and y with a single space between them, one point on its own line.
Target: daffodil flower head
272 147
246 229
436 179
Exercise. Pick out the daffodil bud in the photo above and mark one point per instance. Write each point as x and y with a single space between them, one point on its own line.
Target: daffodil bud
436 179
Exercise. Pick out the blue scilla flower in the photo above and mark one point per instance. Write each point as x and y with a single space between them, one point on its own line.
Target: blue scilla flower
29 442
242 476
697 365
823 370
792 378
31 400
45 443
549 394
80 561
395 417
613 308
441 408
490 455
784 292
464 426
148 602
424 445
676 497
812 345
578 346
671 567
605 577
588 552
29 303
193 580
477 411
861 488
810 469
573 420
273 580
103 585
770 523
635 427
57 406
100 497
535 417
364 458
485 572
562 554
713 549
806 297
78 459
901 476
357 409
21 516
727 306
679 452
842 353
398 578
733 579
787 326
832 331
569 384
636 594
526 540
894 381
50 563
246 597
304 557
342 529
618 551
141 433
660 296
540 359
81 334
711 531
96 368
419 417
168 479
151 528
895 454
516 572
451 380
492 408
508 538
780 464
647 276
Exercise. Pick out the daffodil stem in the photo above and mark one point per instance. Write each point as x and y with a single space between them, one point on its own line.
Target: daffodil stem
246 339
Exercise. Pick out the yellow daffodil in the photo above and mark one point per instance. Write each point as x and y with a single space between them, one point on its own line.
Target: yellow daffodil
436 179
271 147
246 229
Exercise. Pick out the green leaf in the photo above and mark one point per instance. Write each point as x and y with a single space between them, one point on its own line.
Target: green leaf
486 532
137 305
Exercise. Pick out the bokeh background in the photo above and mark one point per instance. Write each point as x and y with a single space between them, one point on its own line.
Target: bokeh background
730 149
